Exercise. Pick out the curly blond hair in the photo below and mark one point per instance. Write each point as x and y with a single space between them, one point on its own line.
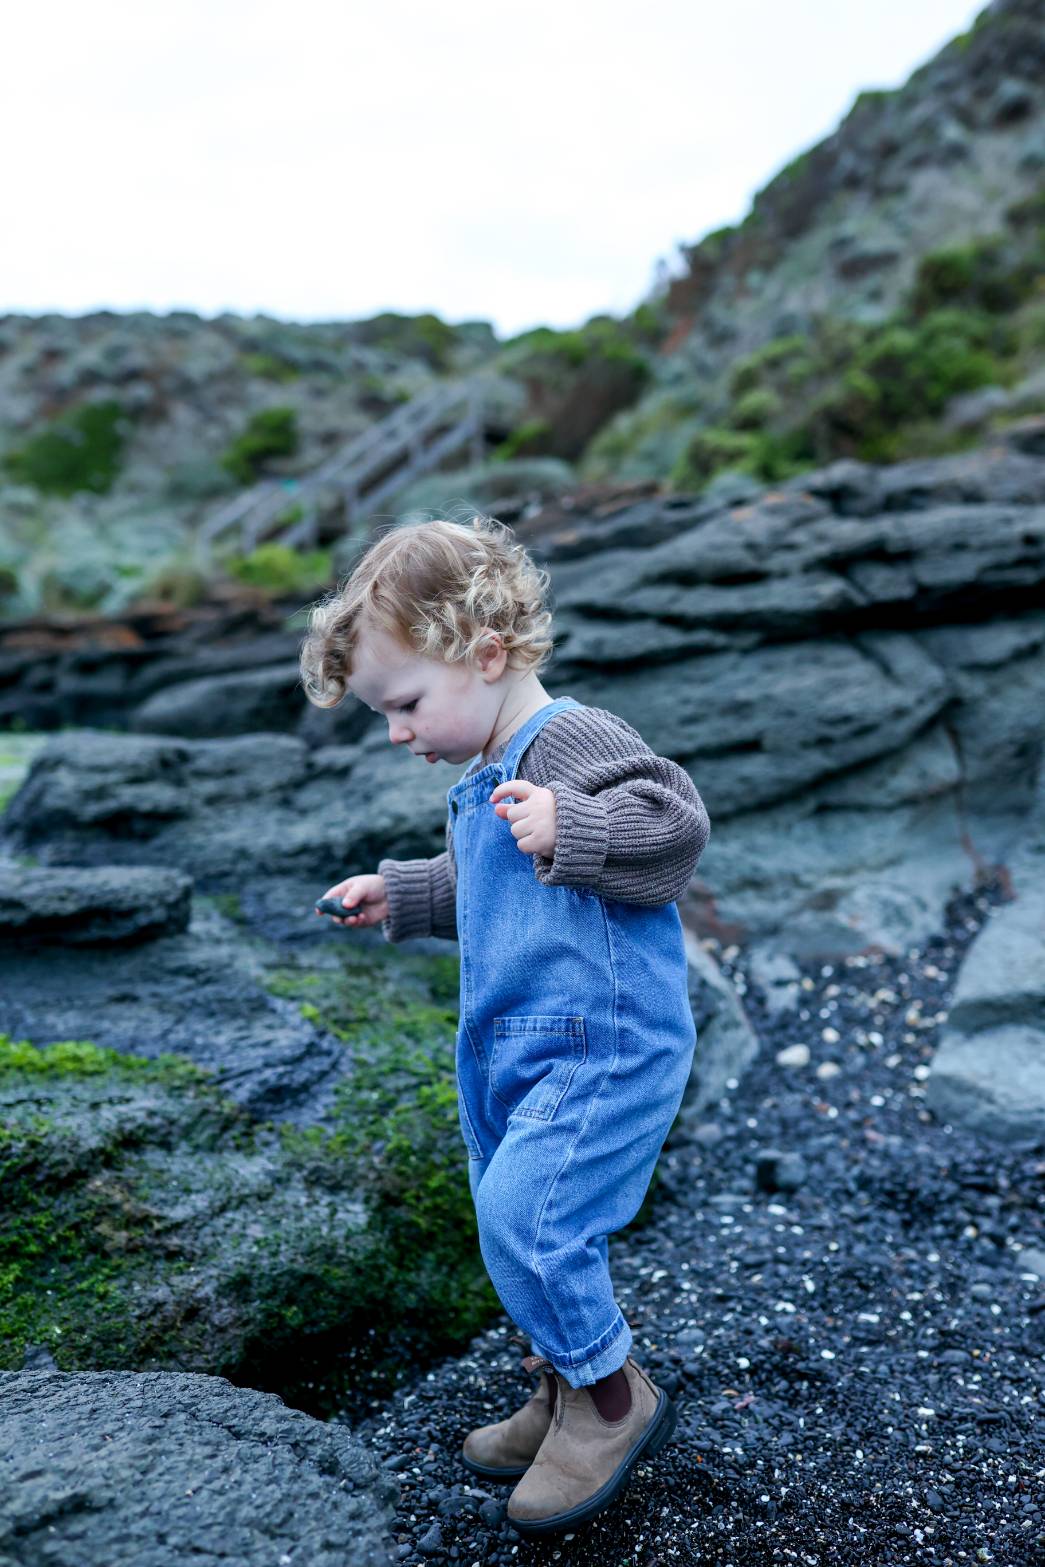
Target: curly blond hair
438 587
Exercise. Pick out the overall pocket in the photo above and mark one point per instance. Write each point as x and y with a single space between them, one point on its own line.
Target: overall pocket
533 1061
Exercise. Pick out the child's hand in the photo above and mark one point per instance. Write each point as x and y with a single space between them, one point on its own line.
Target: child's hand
532 816
366 897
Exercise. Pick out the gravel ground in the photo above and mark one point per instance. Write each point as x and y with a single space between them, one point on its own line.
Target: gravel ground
854 1334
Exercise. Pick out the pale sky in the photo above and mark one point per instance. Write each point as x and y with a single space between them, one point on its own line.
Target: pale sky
326 159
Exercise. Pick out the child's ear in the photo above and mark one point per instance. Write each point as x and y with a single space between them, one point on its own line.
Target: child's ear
491 648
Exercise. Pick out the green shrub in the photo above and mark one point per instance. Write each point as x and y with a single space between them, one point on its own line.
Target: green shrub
272 432
270 367
903 375
755 409
649 322
708 452
983 275
176 583
771 457
426 337
779 356
279 570
80 451
529 440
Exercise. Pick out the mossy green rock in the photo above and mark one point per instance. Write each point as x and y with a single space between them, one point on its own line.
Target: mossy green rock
150 1222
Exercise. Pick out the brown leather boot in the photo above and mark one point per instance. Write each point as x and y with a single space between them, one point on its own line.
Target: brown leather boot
584 1461
506 1450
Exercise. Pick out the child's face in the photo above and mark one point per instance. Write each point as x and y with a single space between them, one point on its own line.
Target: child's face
437 710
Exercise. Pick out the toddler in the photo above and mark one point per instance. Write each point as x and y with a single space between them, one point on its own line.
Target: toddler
568 841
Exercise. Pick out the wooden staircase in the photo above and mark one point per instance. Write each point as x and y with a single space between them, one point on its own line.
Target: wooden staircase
410 442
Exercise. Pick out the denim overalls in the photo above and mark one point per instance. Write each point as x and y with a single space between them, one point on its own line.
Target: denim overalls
573 1051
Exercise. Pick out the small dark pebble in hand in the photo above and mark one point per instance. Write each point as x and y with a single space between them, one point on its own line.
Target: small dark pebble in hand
840 1294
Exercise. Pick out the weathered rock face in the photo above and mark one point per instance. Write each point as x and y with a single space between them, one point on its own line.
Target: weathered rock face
841 229
107 1468
852 669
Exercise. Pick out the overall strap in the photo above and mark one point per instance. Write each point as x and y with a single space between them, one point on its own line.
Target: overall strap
528 731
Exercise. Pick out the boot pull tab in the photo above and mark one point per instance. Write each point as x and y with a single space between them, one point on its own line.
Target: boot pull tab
536 1363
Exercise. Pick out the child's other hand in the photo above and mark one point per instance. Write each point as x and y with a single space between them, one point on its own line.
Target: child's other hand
532 816
366 897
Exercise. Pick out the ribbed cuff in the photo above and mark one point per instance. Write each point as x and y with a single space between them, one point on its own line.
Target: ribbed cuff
581 840
443 893
408 884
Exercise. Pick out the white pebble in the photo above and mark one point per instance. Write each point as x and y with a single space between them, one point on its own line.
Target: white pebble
793 1055
828 1069
830 1036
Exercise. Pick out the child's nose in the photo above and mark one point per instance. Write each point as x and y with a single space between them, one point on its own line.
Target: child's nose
397 733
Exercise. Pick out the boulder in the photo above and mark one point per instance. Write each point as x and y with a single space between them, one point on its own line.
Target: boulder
107 1468
102 907
989 1067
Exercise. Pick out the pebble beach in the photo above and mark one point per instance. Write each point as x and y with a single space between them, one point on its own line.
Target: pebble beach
844 1297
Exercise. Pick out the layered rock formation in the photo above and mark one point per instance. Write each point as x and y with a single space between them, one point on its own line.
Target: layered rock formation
851 668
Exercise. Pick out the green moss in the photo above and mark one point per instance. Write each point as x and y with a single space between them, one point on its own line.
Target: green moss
279 570
80 451
271 432
73 1251
228 904
395 1125
81 1058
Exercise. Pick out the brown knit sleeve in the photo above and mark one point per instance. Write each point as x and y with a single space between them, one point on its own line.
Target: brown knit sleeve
422 898
629 824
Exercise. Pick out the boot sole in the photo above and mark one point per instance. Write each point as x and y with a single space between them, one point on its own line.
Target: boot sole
656 1435
487 1472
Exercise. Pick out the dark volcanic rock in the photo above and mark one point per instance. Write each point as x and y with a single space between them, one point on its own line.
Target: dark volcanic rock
107 1469
237 703
989 1070
851 668
92 908
198 993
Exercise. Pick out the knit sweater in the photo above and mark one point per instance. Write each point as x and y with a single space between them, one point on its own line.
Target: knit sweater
629 825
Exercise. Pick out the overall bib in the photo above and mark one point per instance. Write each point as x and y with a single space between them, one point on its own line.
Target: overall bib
573 1051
